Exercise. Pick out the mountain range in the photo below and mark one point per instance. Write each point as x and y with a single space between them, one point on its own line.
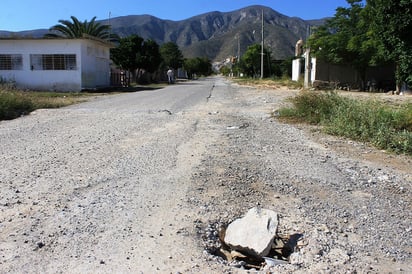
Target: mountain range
215 35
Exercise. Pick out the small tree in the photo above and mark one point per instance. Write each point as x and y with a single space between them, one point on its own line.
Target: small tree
201 66
191 66
171 55
225 70
137 56
150 58
127 53
286 67
250 62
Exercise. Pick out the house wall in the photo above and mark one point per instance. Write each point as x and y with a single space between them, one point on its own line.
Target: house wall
333 73
380 78
92 64
95 63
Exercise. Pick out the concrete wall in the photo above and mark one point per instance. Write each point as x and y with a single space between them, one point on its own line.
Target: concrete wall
381 78
333 73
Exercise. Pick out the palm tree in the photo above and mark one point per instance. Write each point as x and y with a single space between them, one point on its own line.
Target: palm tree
77 29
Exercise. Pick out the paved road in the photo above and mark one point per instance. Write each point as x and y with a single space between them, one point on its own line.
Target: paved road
140 182
98 186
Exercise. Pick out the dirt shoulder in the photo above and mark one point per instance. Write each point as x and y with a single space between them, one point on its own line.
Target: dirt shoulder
360 151
348 201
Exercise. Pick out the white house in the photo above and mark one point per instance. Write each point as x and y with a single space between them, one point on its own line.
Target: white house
55 64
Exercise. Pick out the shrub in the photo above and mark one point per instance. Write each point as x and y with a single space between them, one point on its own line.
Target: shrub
13 105
384 126
313 107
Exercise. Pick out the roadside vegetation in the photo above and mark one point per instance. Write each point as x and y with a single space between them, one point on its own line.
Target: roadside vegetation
368 33
275 83
362 35
15 103
383 125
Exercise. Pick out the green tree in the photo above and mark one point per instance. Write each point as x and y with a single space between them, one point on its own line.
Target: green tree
148 61
127 54
136 55
347 39
225 70
286 67
149 58
205 66
200 66
392 25
250 62
191 66
77 29
171 55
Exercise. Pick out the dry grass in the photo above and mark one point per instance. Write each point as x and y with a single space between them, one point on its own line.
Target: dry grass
283 83
14 103
385 125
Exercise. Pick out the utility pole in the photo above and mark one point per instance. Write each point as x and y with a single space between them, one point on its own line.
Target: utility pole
308 63
238 46
308 68
238 54
262 53
110 26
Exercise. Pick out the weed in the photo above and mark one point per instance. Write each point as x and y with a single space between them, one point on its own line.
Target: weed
14 103
386 127
270 83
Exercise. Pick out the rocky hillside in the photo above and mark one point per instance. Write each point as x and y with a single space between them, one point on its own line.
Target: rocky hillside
215 35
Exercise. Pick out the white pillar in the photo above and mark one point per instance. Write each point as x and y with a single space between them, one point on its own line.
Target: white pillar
307 68
296 68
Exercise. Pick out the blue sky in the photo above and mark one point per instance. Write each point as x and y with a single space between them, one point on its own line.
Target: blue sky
17 15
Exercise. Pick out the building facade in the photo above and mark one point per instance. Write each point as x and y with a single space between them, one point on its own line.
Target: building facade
55 64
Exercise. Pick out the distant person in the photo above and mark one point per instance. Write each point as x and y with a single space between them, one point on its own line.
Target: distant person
170 76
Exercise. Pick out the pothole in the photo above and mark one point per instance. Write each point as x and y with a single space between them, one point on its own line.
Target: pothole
282 247
277 250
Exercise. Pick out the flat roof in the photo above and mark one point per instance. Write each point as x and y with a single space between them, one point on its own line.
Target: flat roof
85 37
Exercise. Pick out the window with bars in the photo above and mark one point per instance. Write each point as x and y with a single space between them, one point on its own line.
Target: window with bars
53 61
11 62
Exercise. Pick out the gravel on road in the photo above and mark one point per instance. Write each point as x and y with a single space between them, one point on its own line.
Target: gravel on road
134 183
